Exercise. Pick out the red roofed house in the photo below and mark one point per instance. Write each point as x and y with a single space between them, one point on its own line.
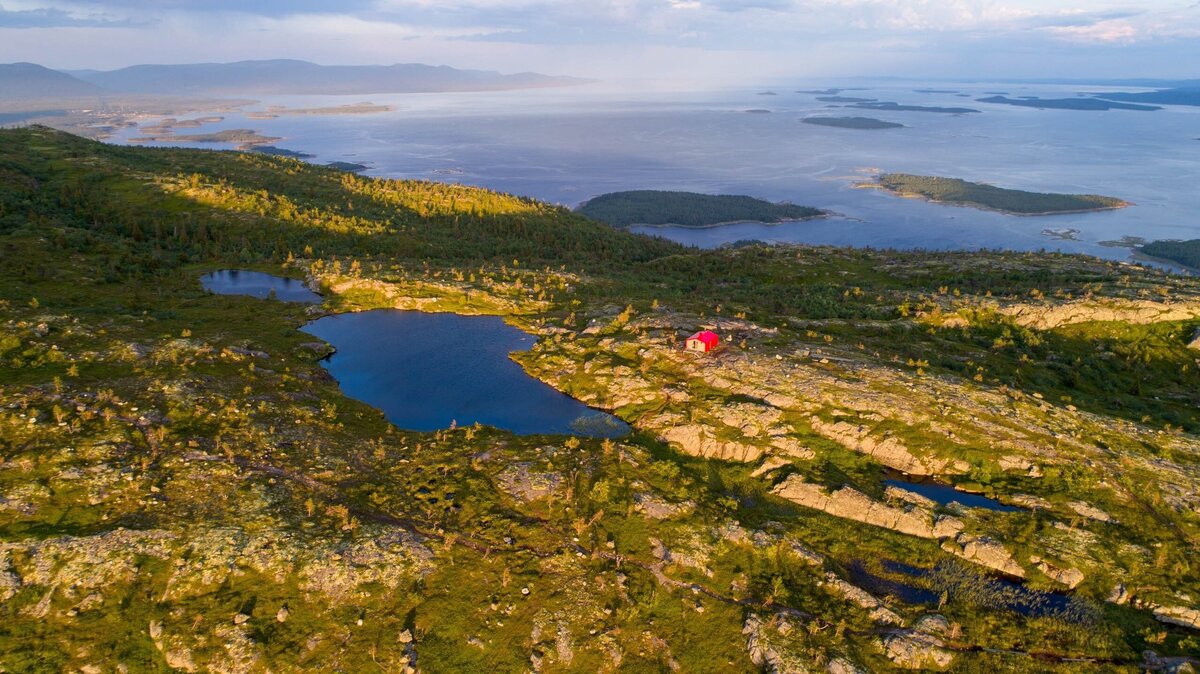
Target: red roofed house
703 341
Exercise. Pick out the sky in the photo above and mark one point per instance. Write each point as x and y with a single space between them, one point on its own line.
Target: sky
692 41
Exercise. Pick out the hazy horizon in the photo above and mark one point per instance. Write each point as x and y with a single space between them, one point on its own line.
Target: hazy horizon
692 42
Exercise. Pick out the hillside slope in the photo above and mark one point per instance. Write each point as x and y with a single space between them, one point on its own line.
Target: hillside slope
283 76
29 80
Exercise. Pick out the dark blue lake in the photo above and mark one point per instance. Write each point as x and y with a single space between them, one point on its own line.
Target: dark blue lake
258 284
428 371
945 494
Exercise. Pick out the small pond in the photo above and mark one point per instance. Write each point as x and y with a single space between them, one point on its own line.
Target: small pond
881 587
258 284
960 582
946 494
428 371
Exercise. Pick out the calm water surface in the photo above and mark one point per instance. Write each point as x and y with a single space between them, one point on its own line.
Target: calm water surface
945 494
258 284
568 145
429 371
963 583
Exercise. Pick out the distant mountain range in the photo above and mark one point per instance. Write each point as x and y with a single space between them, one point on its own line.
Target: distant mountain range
256 78
29 80
301 77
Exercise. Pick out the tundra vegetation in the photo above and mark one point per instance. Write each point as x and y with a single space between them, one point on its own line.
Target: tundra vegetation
184 487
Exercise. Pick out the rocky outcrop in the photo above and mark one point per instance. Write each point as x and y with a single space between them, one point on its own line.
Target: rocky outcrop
894 493
698 440
1019 464
843 666
385 557
10 582
85 562
851 504
1046 317
752 420
1090 511
922 647
888 450
1178 615
791 447
853 593
985 551
906 518
1153 662
690 556
1195 343
805 554
771 463
909 649
1030 501
177 655
762 653
658 509
1119 594
408 661
1069 576
526 485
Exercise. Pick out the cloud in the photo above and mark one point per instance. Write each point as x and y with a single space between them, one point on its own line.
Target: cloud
605 38
49 17
1130 27
1117 30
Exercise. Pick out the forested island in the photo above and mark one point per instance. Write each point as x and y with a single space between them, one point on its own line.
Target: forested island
845 99
897 107
689 209
867 123
1186 253
978 195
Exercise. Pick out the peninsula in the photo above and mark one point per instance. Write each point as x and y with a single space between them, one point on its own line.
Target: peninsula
1093 104
1186 253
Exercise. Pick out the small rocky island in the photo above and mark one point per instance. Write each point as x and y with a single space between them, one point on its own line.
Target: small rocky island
864 123
989 197
245 138
689 209
363 108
